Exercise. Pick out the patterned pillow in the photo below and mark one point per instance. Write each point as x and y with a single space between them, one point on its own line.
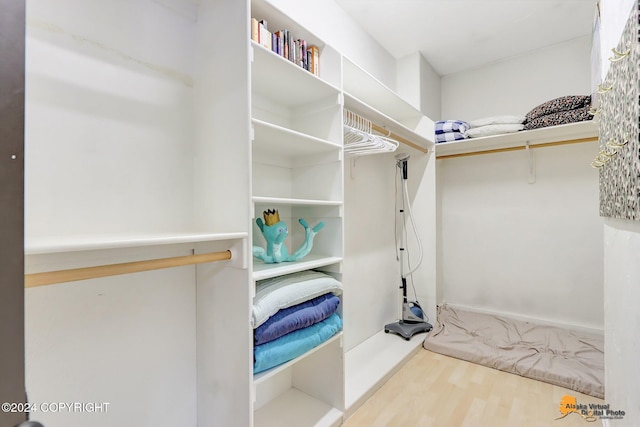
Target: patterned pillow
564 103
560 118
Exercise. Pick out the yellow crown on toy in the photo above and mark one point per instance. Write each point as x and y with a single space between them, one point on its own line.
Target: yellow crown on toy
271 216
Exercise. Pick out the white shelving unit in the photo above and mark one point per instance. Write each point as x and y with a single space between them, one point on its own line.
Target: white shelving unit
573 132
297 168
137 153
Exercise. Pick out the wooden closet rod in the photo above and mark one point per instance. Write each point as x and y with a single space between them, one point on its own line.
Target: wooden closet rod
389 134
520 147
72 275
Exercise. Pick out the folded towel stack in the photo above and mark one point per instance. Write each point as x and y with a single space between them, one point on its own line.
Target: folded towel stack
450 130
559 111
495 125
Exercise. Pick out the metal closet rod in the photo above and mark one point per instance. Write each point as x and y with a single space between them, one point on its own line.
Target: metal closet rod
75 274
398 138
520 147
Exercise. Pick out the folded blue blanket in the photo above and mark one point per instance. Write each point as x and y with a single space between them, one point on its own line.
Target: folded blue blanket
294 344
450 136
296 317
446 126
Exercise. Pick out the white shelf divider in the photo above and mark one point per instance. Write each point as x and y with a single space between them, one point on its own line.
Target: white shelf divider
289 142
298 202
265 271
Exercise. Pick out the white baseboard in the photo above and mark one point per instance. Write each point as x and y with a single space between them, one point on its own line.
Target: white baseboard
529 319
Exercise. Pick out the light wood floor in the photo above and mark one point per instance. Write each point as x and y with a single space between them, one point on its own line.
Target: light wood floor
440 391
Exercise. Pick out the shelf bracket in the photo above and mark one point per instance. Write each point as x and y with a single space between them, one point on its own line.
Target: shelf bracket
352 166
532 164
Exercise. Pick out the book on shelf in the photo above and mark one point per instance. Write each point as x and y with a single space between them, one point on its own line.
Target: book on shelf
289 48
302 60
255 30
314 60
279 40
296 52
283 43
264 35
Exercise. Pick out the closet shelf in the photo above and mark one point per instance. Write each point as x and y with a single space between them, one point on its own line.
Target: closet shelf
571 133
265 271
265 375
286 142
295 408
275 77
296 202
59 244
361 85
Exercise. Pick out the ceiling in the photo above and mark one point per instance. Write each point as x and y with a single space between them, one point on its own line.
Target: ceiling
455 35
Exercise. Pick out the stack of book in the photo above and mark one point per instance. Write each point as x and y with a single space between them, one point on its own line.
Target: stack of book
283 43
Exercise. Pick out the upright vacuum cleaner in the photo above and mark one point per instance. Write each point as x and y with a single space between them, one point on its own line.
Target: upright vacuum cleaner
412 318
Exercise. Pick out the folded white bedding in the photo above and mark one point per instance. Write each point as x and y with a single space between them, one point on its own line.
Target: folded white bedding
496 120
285 291
490 130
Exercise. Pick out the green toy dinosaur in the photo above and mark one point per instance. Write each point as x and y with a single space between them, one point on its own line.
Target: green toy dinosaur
275 232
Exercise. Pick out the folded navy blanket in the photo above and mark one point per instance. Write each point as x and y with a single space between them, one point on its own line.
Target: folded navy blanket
450 136
446 126
296 317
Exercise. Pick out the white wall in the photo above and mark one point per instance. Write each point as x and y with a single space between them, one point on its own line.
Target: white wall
419 84
506 245
518 84
117 94
529 249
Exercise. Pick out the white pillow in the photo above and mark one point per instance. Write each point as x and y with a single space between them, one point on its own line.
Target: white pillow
496 120
285 291
490 130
